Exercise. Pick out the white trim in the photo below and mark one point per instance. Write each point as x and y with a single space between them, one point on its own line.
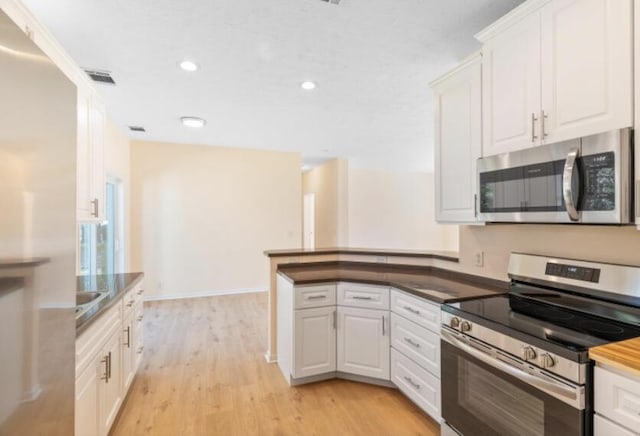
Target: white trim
475 57
270 358
56 306
510 19
204 294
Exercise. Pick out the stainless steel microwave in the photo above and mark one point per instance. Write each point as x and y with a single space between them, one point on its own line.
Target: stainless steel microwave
586 180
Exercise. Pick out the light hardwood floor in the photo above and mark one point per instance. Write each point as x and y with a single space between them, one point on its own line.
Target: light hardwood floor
204 373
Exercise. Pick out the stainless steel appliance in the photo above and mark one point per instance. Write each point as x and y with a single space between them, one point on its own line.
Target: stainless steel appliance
517 364
38 141
585 180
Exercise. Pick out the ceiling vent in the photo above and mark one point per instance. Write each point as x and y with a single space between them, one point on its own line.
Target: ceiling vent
103 77
333 2
137 129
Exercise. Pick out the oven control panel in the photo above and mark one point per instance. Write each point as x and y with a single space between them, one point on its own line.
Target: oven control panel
573 272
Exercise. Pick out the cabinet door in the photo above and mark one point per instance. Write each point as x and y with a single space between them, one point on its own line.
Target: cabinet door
128 351
587 64
314 341
511 88
458 142
83 189
86 413
138 336
363 342
98 186
110 390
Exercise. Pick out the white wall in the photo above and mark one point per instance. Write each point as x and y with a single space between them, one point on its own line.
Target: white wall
202 216
395 210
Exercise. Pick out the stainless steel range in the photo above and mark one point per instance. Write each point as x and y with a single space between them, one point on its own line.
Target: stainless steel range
517 364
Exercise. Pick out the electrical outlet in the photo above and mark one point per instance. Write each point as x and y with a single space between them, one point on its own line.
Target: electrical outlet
479 258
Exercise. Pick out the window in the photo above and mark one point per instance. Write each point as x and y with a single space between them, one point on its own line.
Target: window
99 243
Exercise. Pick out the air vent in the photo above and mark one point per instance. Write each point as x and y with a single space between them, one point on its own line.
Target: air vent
137 129
103 77
333 2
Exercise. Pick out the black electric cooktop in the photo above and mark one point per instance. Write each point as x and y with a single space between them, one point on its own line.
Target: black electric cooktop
563 321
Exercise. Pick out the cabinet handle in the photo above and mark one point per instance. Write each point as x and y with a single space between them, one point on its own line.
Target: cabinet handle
533 127
95 204
141 291
384 329
543 117
109 366
140 318
130 303
105 377
316 297
475 205
412 310
128 332
359 297
335 319
140 350
411 382
411 342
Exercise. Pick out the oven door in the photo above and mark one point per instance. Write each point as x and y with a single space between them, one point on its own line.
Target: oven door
482 395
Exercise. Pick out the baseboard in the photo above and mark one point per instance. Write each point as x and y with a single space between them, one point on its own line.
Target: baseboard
270 358
203 294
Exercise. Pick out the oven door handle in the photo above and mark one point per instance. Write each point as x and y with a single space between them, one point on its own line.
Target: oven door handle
567 188
572 395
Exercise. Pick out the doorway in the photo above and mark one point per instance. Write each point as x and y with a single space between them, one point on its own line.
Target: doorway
309 222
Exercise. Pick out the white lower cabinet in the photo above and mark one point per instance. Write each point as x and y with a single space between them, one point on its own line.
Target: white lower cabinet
363 342
616 398
108 354
417 343
604 427
315 341
416 383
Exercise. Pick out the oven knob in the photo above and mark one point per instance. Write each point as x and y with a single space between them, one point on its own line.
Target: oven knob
528 353
547 361
454 322
465 326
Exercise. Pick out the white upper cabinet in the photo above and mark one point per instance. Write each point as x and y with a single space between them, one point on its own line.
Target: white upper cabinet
511 87
555 70
458 141
587 49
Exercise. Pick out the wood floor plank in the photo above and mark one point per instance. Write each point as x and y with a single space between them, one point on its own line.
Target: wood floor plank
204 373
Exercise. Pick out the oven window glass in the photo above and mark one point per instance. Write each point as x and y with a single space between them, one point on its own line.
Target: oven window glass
506 409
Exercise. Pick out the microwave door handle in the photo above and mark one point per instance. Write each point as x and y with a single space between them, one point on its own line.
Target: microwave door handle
567 188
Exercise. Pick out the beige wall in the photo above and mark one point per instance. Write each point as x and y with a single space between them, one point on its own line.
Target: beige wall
329 183
497 241
117 165
202 216
395 210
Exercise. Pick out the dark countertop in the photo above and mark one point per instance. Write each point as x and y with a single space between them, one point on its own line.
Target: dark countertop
451 256
115 285
23 262
435 284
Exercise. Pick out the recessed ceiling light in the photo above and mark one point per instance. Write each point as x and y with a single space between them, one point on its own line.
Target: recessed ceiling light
308 86
188 66
193 121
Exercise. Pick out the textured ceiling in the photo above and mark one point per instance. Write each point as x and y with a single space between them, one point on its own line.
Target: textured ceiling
371 59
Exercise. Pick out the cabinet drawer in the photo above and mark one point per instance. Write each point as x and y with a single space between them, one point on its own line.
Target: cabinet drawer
366 296
604 427
315 296
416 309
417 343
617 397
422 387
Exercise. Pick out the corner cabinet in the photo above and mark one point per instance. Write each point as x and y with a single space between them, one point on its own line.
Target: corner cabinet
90 169
556 70
458 141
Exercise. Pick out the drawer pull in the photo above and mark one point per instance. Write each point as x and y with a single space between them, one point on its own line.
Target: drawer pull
360 297
141 291
411 382
130 303
412 310
140 350
411 342
140 318
316 297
